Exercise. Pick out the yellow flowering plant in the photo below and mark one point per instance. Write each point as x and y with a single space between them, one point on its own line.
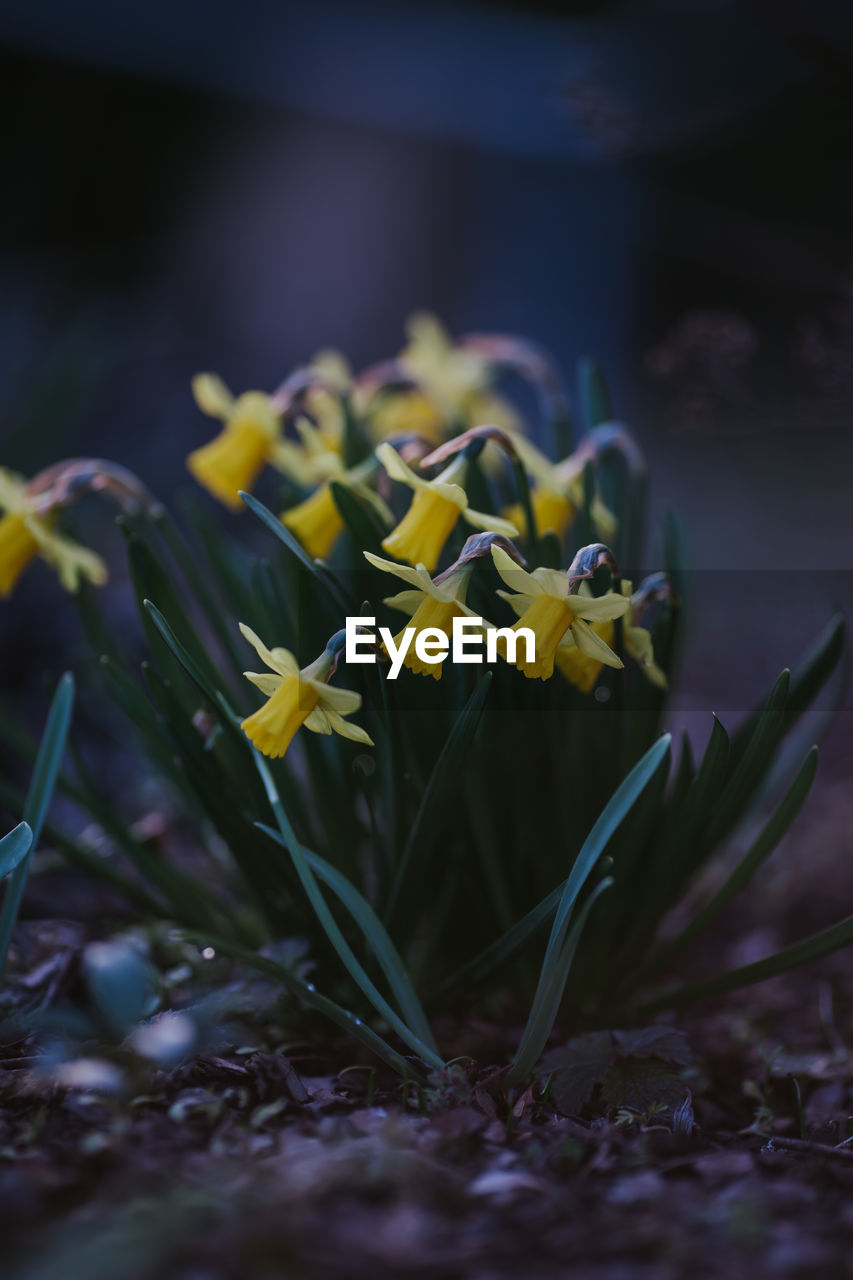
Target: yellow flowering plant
423 835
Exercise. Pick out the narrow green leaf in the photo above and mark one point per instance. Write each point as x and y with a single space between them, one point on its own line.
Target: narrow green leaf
361 519
330 927
376 936
593 847
758 852
295 548
594 399
444 778
793 957
14 847
38 798
549 993
306 992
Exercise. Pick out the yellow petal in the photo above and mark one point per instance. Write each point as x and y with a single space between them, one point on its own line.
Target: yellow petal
592 645
494 524
599 608
279 660
348 730
212 396
416 576
71 561
331 696
516 578
264 680
17 549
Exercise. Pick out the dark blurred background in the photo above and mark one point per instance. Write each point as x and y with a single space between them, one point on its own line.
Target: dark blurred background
665 186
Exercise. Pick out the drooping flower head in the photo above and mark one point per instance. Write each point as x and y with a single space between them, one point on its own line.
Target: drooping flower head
234 459
32 508
315 520
557 494
433 603
296 697
543 602
583 671
420 536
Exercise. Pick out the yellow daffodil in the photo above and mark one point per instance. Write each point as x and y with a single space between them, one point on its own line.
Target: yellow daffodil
295 698
451 388
420 536
583 671
543 603
557 493
26 531
234 459
430 604
316 521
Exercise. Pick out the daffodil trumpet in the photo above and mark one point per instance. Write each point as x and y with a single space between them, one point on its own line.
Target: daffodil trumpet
234 459
433 606
297 697
544 602
420 536
316 520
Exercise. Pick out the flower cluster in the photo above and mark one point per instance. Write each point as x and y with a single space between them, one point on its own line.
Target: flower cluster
410 441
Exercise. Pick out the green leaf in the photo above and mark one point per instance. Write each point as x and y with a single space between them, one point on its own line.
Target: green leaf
376 936
560 950
549 992
296 549
361 519
758 852
330 927
594 399
309 996
799 953
752 764
430 815
14 847
38 799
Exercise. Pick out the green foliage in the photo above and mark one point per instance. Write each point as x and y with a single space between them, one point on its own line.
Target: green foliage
425 870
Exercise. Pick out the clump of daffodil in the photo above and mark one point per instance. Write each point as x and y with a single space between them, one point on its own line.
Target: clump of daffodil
316 521
420 536
27 531
296 697
543 602
234 459
433 603
557 494
583 671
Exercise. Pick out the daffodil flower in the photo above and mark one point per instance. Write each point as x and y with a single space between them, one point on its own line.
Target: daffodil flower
315 520
296 697
543 602
557 493
420 536
583 671
234 459
430 604
26 531
450 386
